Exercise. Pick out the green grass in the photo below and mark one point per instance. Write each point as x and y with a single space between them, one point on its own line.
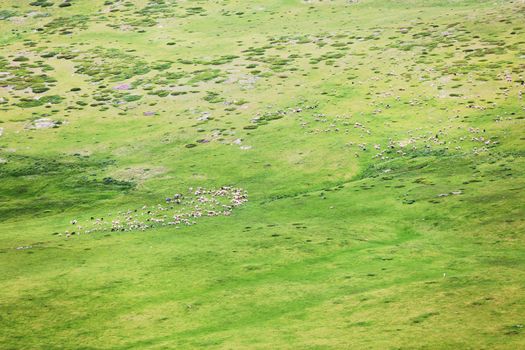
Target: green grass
381 145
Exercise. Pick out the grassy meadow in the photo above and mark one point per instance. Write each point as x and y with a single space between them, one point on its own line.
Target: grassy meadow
279 174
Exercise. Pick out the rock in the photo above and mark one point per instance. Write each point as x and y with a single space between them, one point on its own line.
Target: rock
122 87
43 123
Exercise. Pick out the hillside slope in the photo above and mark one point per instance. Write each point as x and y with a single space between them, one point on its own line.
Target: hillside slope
262 174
